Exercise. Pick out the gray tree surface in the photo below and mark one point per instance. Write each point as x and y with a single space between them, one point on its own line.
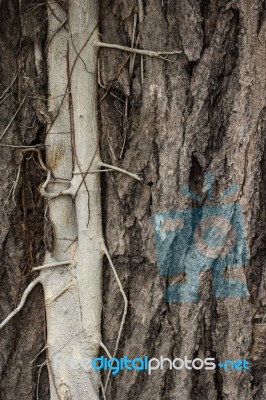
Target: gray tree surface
187 123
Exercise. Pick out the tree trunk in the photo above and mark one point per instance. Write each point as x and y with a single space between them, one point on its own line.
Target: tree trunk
193 125
201 112
73 292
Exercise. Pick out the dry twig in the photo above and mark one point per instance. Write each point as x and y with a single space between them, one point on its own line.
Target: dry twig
105 251
149 53
12 119
22 301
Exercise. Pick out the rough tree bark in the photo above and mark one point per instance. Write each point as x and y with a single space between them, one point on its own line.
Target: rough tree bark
21 230
202 112
172 121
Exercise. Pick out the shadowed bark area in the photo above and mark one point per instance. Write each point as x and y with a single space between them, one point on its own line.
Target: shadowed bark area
201 111
21 210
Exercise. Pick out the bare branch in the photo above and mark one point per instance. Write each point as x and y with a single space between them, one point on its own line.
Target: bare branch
16 184
120 170
148 53
125 309
132 59
39 375
4 99
36 149
21 147
47 170
40 352
22 301
52 265
103 391
12 119
142 70
105 349
12 82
